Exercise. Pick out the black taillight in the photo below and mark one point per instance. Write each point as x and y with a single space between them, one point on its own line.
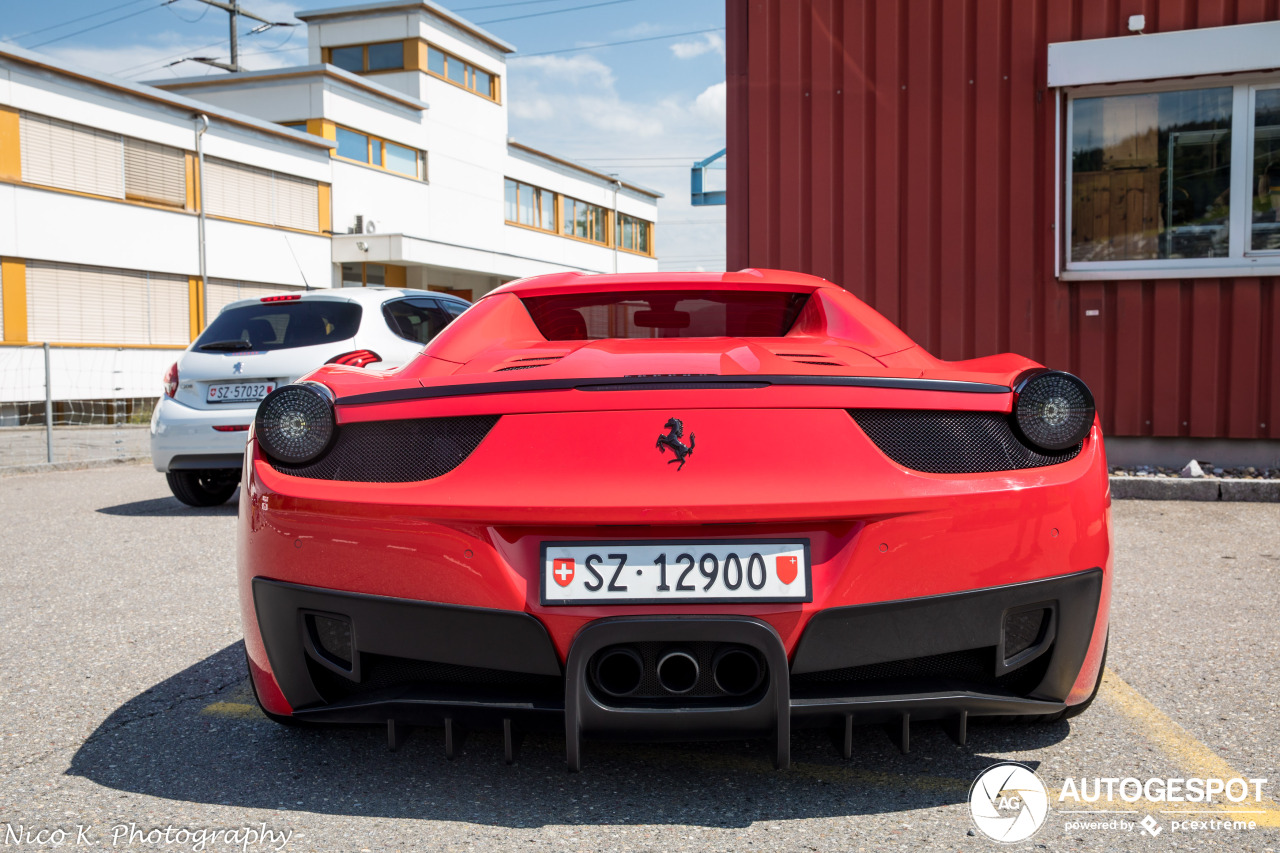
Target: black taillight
296 424
1053 410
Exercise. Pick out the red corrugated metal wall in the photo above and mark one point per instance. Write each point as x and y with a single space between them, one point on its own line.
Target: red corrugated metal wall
905 149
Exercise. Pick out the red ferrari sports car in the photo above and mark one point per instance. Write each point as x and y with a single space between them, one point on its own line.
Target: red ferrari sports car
675 506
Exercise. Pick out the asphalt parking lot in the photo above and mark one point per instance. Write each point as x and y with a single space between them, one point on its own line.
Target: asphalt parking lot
125 705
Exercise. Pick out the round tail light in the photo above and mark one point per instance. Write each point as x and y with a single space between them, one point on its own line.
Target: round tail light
295 424
1053 410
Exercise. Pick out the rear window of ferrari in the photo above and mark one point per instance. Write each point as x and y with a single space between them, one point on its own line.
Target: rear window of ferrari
665 314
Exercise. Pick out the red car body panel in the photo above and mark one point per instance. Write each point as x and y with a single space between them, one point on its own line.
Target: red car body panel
569 464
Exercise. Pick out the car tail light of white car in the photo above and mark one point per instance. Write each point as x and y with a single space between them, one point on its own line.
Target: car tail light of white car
356 358
171 380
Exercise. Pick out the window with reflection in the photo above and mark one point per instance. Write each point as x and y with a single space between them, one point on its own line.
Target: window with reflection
400 159
585 221
461 72
529 205
350 58
633 233
352 145
1265 225
387 56
1151 176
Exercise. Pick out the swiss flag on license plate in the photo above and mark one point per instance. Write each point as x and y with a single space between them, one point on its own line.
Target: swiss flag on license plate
562 570
788 568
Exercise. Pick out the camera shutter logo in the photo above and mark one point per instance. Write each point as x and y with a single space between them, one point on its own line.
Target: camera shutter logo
1008 802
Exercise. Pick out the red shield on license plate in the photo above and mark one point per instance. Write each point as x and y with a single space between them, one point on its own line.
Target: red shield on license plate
562 570
787 567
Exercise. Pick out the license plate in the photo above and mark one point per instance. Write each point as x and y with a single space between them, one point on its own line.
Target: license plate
237 392
676 572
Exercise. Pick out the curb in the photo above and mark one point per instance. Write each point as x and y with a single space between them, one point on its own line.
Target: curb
1198 489
77 465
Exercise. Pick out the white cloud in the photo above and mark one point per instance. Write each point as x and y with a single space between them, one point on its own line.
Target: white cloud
710 42
581 70
571 106
713 102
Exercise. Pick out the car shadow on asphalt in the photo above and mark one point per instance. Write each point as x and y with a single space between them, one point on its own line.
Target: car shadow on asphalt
198 737
171 507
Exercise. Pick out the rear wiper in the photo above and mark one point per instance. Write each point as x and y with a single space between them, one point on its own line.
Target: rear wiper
228 346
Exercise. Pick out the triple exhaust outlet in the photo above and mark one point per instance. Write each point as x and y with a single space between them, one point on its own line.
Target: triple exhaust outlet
620 671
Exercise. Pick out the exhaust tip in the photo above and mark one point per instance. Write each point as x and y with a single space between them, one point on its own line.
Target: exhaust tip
677 671
737 671
619 671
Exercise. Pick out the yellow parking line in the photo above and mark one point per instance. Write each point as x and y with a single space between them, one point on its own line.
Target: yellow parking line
238 710
1179 744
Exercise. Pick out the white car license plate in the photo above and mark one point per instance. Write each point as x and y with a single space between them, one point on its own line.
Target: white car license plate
680 571
238 392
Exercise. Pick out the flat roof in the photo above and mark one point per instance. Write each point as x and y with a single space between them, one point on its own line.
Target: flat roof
151 93
296 71
401 6
511 143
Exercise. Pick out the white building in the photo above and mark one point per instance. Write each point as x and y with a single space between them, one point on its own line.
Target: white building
386 160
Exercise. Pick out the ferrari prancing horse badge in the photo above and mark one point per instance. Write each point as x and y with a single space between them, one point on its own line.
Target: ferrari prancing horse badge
675 431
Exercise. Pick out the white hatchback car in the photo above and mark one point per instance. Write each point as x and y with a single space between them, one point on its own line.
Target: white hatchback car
254 346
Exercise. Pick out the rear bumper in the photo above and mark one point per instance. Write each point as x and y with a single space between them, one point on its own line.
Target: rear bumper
183 438
413 662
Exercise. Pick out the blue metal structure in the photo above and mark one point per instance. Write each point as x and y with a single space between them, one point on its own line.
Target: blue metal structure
697 197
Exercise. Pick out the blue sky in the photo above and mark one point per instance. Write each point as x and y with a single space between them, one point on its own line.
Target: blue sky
645 110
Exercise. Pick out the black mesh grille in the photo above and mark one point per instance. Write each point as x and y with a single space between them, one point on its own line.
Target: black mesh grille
952 442
396 451
1022 630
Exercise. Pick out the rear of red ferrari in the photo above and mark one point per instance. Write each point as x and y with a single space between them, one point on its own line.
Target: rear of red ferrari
676 508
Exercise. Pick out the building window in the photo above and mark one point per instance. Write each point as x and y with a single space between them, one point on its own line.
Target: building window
247 193
349 58
531 206
363 148
1265 221
69 156
585 221
464 74
400 159
358 58
353 145
1151 176
1153 188
373 275
632 234
69 303
387 56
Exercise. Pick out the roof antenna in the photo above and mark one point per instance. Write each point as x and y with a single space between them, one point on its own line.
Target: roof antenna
305 283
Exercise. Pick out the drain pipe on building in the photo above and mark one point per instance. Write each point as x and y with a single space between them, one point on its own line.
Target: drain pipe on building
201 128
617 232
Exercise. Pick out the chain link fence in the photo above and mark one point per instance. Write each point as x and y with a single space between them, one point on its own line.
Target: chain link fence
76 404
